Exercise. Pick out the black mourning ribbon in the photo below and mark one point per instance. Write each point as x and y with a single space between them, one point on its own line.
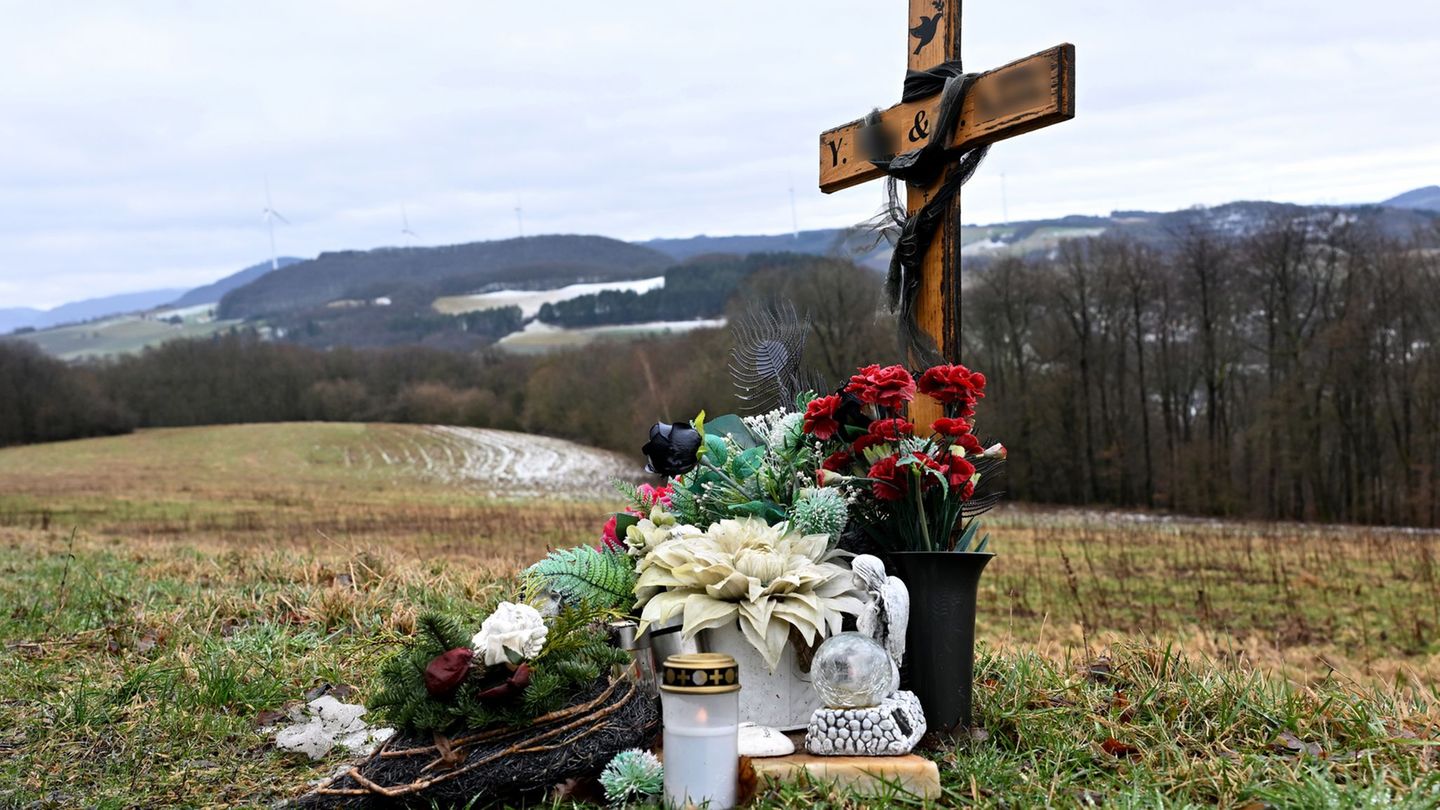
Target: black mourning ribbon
912 234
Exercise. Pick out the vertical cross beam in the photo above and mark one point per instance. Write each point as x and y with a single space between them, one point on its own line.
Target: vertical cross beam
934 38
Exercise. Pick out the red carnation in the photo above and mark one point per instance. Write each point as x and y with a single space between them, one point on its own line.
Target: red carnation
890 482
926 479
609 536
954 385
820 420
864 443
951 427
447 671
653 495
970 443
960 473
890 387
891 429
837 461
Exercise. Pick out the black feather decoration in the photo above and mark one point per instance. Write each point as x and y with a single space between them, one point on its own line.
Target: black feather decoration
765 363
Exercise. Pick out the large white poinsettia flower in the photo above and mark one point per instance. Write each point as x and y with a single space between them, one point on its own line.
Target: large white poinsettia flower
766 577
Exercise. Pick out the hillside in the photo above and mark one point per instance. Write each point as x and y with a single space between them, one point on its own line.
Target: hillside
537 261
1427 198
822 242
212 293
86 310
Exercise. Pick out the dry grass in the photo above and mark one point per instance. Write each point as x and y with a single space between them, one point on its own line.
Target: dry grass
160 590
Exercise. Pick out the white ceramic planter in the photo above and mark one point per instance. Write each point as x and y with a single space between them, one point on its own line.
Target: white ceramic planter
783 699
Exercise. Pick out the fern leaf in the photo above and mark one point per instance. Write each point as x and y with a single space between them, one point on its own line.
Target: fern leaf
603 579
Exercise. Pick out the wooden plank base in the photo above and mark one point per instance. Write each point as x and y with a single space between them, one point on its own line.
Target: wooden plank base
868 776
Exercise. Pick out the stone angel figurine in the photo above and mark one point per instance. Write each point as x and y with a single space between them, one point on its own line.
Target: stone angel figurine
887 605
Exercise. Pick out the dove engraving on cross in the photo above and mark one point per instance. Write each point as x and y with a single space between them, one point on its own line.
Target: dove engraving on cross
1025 95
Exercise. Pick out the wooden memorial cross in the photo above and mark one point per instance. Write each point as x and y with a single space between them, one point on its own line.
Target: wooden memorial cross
1025 95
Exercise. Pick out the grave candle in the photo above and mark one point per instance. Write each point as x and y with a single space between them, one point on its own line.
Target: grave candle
700 695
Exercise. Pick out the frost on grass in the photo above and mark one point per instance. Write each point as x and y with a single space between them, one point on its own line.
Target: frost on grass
324 724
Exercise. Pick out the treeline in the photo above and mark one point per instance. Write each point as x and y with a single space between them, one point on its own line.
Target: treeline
43 400
1291 371
607 394
406 321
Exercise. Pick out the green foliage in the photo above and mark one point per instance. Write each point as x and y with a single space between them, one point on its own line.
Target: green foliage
576 655
820 511
962 543
604 579
747 472
632 776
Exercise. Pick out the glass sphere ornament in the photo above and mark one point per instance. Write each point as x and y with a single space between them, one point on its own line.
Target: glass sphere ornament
852 671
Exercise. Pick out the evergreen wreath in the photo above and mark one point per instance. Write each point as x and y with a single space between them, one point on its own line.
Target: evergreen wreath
576 656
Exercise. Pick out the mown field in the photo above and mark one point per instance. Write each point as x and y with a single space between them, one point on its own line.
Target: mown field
158 592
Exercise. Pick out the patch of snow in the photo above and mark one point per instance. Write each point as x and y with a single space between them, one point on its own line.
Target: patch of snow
199 313
524 465
530 301
982 247
324 724
537 332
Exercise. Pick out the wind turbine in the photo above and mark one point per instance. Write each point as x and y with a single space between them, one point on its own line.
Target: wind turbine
794 215
405 222
270 215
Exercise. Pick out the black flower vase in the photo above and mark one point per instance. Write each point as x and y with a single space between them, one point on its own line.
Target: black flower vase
940 644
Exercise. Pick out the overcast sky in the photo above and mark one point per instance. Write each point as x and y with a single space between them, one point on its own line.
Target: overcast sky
136 137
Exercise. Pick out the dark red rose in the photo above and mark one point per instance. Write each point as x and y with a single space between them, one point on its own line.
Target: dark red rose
837 461
820 418
892 429
447 671
889 387
891 481
954 385
510 687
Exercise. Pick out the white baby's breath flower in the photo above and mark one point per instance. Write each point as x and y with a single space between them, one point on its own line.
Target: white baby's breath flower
512 631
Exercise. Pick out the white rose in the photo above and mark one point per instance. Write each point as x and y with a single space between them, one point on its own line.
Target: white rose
517 628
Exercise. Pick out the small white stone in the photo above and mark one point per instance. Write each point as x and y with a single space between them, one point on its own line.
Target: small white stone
763 741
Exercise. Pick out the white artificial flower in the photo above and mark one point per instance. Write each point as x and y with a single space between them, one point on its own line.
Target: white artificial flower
768 578
660 527
518 629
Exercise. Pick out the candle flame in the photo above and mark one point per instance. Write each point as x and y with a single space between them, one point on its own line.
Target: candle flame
703 716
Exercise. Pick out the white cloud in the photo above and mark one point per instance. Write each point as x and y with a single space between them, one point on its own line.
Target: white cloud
137 135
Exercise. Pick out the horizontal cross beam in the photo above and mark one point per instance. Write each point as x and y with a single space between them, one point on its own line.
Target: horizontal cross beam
1023 96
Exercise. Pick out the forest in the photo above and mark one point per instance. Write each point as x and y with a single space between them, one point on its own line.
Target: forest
1288 371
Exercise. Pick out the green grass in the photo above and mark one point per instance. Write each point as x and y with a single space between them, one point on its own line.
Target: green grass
125 334
159 591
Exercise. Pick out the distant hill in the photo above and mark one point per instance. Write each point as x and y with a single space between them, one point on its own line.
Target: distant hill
538 261
1427 198
14 318
212 293
86 310
820 243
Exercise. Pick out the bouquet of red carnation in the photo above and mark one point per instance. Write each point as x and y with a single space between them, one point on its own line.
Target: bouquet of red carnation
917 490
